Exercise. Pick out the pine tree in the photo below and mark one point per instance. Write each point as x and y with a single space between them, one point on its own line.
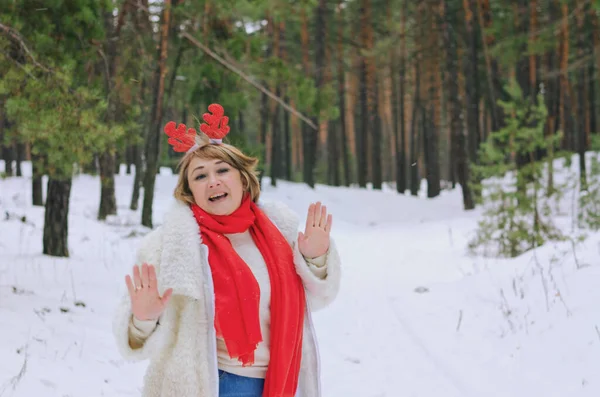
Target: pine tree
517 215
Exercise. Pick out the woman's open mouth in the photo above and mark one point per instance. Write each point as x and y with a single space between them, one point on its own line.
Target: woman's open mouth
217 197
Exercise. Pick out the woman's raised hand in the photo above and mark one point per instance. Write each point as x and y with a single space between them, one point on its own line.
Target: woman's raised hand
314 242
146 303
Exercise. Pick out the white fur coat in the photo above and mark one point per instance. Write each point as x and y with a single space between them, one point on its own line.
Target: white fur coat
182 349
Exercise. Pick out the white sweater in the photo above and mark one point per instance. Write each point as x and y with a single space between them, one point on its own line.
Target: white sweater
248 251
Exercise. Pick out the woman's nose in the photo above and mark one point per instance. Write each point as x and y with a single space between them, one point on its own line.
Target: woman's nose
213 180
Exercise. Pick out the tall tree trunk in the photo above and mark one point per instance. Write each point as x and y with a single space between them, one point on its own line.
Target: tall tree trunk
306 66
533 62
264 128
368 142
595 66
485 20
153 141
56 220
8 156
36 180
565 100
287 142
430 126
108 202
376 139
553 96
311 135
264 104
582 84
342 95
333 171
6 149
459 141
20 154
415 182
276 141
287 133
276 119
471 81
138 176
136 149
364 129
431 150
401 182
129 161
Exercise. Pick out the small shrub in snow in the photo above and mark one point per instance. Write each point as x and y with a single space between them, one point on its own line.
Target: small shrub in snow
589 200
515 197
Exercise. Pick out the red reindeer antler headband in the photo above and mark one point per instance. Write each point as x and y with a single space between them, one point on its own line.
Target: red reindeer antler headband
183 139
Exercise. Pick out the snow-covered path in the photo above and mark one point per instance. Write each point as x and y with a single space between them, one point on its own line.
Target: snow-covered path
416 315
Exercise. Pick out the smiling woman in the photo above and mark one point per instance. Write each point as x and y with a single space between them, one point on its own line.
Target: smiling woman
215 177
221 296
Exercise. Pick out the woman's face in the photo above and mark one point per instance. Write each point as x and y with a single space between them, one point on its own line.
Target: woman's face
216 186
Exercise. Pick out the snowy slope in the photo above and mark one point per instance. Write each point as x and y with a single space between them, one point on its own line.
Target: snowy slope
416 315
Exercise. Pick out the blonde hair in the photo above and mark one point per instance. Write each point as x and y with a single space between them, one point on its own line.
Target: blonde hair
246 165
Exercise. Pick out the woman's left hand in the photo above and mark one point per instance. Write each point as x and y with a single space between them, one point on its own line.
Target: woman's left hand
314 242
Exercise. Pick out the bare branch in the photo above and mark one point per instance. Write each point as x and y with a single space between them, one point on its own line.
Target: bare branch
14 35
19 65
248 79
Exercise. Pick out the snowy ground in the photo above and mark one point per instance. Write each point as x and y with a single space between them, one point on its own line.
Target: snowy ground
416 315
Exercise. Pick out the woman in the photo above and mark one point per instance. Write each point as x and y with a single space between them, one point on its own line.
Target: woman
221 295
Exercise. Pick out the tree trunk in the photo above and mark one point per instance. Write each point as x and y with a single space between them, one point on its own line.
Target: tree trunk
108 203
471 82
306 66
485 22
582 84
138 177
136 149
20 152
376 139
553 95
311 135
264 120
153 141
415 182
7 150
287 142
264 105
565 100
401 146
431 151
7 155
363 131
287 134
595 66
36 181
459 141
342 95
129 159
56 220
333 171
276 141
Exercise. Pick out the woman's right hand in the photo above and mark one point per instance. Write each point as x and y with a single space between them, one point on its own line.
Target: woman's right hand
146 303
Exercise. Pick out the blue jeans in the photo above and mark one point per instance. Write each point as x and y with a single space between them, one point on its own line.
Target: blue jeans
231 385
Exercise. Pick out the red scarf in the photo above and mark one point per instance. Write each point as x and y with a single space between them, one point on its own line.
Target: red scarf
237 294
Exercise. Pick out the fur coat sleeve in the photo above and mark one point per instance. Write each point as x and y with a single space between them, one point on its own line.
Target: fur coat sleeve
320 292
149 252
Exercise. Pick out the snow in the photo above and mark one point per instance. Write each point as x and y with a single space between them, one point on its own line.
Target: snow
417 315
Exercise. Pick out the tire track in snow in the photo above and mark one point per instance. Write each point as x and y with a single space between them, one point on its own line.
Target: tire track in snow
446 371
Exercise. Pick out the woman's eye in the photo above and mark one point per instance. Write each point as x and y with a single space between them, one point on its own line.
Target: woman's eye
223 170
200 176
